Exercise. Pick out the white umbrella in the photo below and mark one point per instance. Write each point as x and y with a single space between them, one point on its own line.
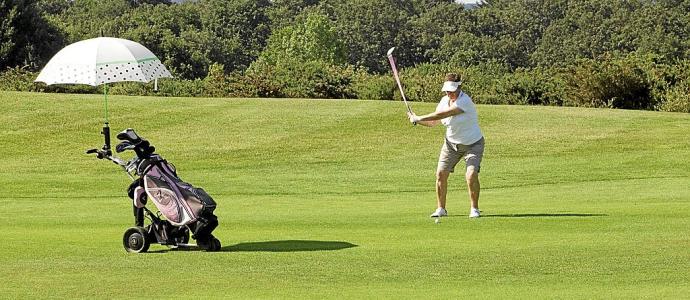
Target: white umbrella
100 61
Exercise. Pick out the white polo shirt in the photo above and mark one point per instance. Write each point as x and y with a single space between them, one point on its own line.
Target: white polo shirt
464 127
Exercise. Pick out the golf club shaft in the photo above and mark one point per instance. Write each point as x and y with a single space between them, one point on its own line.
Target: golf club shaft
397 80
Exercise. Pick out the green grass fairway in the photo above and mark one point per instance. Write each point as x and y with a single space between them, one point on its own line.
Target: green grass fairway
331 199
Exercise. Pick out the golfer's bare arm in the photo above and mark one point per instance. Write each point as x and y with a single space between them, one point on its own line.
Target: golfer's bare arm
434 118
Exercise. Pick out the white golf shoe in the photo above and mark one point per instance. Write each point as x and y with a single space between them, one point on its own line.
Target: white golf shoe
474 213
440 212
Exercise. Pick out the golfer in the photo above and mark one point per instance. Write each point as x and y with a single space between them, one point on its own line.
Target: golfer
463 140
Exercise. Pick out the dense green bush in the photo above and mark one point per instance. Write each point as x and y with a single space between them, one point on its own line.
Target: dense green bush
480 81
677 98
675 94
628 82
531 87
18 79
167 87
216 83
297 79
373 87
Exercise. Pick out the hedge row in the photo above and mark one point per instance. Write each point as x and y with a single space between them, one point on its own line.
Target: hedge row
630 82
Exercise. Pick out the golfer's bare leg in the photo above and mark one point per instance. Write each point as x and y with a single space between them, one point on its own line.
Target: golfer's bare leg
441 187
472 178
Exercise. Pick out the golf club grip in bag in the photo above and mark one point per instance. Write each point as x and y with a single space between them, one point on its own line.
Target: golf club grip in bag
180 202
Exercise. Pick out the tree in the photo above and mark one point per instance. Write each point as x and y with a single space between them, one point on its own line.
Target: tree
8 13
154 2
370 28
283 12
498 31
667 34
240 28
313 38
436 22
175 34
26 39
191 37
588 29
303 60
86 19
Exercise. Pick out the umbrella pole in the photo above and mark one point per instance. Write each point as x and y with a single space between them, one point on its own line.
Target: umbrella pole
106 128
105 95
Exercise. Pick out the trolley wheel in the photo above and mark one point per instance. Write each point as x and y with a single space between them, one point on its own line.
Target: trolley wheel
215 244
181 237
208 243
184 238
136 240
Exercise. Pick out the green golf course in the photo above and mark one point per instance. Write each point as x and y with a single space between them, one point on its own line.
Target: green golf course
330 199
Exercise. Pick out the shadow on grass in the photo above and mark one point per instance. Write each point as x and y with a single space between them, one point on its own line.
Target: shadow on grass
271 246
542 215
180 249
288 246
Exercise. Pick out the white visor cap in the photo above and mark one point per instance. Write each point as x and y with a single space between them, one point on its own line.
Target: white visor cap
450 86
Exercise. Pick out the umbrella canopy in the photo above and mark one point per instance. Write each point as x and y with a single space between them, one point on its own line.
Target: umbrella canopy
102 60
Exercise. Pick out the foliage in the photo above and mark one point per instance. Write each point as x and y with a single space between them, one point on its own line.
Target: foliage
304 60
215 83
618 54
677 98
616 83
430 30
373 86
188 37
7 15
173 33
18 79
283 12
370 28
313 38
86 19
239 30
423 83
530 87
26 38
302 79
675 95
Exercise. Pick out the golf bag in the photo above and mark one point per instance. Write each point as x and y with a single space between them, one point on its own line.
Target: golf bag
182 208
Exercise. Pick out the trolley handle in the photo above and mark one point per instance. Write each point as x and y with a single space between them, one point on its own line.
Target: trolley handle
104 154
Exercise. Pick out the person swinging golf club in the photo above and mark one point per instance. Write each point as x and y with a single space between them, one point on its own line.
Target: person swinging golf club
463 140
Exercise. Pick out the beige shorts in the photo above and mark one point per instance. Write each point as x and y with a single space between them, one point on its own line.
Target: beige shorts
452 153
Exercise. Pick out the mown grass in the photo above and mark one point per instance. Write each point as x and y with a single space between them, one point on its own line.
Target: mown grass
330 199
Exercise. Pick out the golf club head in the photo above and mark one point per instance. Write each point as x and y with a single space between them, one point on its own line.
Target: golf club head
125 145
390 52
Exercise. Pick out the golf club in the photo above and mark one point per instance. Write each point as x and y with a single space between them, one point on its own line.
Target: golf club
391 59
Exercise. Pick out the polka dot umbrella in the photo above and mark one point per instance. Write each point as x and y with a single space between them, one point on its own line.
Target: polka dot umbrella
100 61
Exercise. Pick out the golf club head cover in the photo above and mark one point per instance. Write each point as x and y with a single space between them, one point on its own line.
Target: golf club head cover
131 140
129 135
133 186
139 197
144 149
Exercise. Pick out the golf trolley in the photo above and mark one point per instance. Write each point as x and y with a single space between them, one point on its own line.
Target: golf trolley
182 208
